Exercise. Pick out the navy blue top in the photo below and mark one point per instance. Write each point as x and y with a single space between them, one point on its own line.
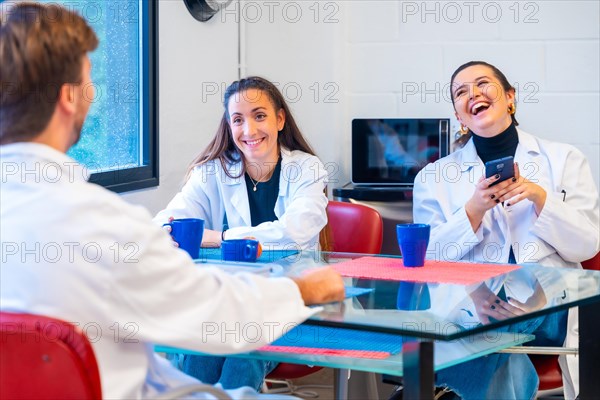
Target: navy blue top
262 201
499 146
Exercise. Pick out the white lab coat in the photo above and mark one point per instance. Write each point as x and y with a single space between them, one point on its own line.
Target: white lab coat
75 251
209 194
565 233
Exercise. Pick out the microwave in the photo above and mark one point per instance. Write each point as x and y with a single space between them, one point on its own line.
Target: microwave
391 151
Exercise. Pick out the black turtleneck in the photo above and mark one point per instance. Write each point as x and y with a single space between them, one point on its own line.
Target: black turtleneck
499 146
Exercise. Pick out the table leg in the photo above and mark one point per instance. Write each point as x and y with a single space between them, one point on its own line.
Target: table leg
340 383
417 366
589 351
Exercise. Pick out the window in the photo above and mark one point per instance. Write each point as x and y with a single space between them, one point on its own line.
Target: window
119 141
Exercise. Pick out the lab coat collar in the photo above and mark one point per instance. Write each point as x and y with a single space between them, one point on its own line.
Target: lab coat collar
288 172
234 170
528 143
468 157
17 152
284 181
239 197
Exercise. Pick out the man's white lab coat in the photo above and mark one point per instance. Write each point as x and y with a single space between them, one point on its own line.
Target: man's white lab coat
75 251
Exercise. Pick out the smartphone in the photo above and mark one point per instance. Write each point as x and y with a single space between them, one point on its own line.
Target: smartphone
503 166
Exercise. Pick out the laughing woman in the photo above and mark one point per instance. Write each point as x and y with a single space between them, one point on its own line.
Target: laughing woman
550 216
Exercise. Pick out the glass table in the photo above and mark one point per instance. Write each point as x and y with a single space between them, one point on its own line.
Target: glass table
439 324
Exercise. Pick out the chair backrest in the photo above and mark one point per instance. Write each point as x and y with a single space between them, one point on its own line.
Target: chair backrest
45 358
592 263
355 228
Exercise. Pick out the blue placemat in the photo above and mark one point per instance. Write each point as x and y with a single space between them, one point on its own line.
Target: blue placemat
352 291
340 339
267 256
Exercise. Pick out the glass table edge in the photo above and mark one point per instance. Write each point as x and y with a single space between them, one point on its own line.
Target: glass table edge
391 365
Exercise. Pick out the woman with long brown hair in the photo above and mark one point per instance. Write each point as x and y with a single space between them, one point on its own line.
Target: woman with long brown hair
257 177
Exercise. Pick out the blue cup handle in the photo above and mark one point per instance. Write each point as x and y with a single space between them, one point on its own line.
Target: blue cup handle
249 251
171 225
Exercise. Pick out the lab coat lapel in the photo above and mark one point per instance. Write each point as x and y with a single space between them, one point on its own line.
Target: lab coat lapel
527 156
238 197
239 201
284 180
469 160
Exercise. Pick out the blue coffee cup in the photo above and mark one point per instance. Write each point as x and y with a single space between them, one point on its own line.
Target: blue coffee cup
241 250
187 232
413 240
413 296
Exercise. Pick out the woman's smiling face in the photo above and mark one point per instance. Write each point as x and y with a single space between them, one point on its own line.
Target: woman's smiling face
255 125
480 101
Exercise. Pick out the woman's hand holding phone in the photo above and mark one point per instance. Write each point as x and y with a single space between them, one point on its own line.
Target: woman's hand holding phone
488 193
484 198
520 189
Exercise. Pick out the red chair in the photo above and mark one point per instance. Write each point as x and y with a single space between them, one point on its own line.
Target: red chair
45 358
354 228
592 263
547 366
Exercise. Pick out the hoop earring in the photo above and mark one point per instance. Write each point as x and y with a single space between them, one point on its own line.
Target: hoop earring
463 129
512 109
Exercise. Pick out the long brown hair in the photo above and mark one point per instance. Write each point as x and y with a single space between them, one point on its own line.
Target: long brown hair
42 47
222 146
463 139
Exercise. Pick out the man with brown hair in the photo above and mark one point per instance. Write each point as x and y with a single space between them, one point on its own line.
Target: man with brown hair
74 251
53 70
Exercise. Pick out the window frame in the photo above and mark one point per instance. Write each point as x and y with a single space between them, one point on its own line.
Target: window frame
146 176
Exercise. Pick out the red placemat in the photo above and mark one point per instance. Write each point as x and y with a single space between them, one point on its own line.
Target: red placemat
392 269
379 355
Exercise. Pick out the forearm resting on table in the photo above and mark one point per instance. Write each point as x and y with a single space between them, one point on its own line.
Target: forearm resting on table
322 285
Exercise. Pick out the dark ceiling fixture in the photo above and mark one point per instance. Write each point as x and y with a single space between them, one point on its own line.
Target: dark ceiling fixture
203 10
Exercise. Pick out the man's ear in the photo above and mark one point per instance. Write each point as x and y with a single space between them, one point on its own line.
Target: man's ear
66 98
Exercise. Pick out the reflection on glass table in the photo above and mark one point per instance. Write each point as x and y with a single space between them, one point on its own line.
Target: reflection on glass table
447 353
448 311
451 307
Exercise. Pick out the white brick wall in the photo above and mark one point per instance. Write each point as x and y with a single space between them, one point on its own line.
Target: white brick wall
549 20
362 58
387 52
573 66
389 67
372 21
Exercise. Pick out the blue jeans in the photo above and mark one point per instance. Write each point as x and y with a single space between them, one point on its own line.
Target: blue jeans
230 372
501 375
